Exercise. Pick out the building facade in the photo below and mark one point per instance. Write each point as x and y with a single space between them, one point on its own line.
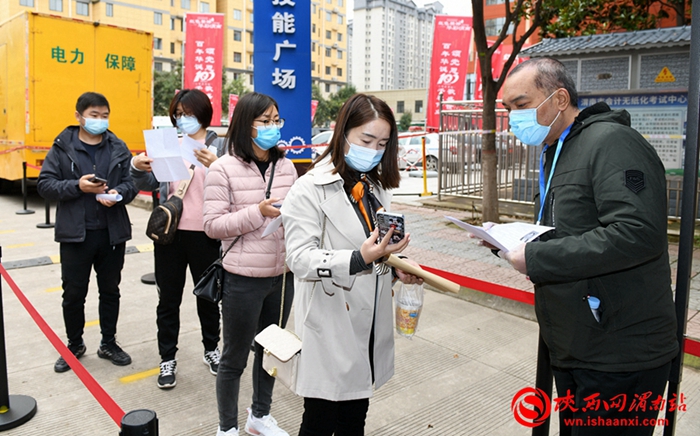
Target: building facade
392 44
165 19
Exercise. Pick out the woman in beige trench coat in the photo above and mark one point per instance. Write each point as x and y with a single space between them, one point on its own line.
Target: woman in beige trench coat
343 302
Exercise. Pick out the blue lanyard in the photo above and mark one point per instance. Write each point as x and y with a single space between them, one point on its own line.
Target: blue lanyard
544 190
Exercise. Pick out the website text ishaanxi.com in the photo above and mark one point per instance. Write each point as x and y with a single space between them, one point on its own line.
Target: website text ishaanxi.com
599 421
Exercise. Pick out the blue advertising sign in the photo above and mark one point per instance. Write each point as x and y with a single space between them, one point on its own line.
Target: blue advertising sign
282 60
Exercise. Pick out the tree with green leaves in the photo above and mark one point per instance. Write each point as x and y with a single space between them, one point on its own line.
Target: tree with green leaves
327 110
553 18
235 86
405 121
165 84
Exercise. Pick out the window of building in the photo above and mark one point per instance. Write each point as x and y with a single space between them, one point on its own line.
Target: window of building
313 66
330 2
158 66
418 108
328 52
493 27
236 14
185 4
328 34
251 59
203 7
56 5
313 28
328 87
251 18
109 9
340 71
236 57
340 3
340 37
237 35
328 16
328 70
172 23
340 54
399 107
340 19
251 80
172 48
29 3
157 18
494 2
313 46
82 8
158 43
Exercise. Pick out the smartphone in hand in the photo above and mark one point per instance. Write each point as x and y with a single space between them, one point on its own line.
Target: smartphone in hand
96 179
388 220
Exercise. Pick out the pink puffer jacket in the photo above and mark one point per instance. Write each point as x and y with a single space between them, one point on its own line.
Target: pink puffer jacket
232 191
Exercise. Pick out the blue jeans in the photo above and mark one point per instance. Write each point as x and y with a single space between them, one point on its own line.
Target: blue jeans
249 304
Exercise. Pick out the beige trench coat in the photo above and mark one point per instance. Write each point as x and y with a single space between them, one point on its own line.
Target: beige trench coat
333 310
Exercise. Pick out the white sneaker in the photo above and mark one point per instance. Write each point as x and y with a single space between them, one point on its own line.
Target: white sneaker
231 432
211 359
265 426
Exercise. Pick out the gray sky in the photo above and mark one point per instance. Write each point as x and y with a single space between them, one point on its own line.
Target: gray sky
450 7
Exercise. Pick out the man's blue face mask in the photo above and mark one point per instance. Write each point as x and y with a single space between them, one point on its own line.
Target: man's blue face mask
524 125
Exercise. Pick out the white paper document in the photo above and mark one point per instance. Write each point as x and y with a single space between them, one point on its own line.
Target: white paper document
504 236
273 226
109 197
188 147
163 147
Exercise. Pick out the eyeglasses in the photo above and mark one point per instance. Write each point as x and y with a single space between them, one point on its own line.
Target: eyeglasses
177 115
269 123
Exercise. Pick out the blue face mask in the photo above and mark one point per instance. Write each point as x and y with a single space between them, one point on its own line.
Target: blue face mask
188 124
95 126
524 125
268 137
362 159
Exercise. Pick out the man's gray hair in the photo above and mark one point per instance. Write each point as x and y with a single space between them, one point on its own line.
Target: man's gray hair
551 75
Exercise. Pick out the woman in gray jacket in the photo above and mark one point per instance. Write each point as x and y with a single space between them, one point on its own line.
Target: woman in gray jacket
343 308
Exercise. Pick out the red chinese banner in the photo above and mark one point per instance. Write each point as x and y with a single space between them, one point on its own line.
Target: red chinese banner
448 66
498 60
203 64
232 102
314 105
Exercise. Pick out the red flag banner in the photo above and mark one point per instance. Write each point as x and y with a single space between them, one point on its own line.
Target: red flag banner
232 101
314 105
204 51
448 65
498 61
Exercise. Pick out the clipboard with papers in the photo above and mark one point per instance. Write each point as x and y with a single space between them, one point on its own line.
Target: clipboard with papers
505 237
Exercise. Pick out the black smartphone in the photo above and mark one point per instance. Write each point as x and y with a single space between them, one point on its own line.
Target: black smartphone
277 205
96 179
387 220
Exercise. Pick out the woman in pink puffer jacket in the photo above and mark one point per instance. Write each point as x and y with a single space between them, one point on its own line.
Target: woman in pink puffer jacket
241 198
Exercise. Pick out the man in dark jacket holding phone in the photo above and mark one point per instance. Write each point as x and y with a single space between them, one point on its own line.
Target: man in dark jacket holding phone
84 162
603 189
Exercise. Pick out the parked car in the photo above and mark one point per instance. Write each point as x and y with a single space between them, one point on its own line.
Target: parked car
411 154
323 139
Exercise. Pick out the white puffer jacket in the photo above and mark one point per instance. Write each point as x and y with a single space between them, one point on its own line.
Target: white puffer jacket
232 192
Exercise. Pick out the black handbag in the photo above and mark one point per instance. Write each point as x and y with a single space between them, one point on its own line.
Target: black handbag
211 282
162 224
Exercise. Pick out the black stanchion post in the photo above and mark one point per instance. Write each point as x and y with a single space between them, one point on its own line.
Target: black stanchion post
24 211
48 224
140 422
15 410
543 380
688 216
150 278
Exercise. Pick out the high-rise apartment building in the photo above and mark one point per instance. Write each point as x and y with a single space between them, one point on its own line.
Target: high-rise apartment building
165 19
392 43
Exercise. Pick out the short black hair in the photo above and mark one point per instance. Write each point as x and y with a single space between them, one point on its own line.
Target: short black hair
239 142
90 99
194 102
551 75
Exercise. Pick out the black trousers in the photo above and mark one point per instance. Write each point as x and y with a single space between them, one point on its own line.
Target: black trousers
198 251
339 418
77 261
594 403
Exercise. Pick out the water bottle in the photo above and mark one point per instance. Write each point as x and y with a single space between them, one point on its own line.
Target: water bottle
594 303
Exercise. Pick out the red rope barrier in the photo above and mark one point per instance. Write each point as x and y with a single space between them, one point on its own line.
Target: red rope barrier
33 167
692 346
97 391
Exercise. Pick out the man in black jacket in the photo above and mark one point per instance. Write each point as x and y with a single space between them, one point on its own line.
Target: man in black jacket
602 277
84 162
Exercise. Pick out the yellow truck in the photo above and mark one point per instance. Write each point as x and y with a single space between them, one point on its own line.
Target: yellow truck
46 62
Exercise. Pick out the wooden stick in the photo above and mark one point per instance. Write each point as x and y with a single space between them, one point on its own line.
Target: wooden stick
428 277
